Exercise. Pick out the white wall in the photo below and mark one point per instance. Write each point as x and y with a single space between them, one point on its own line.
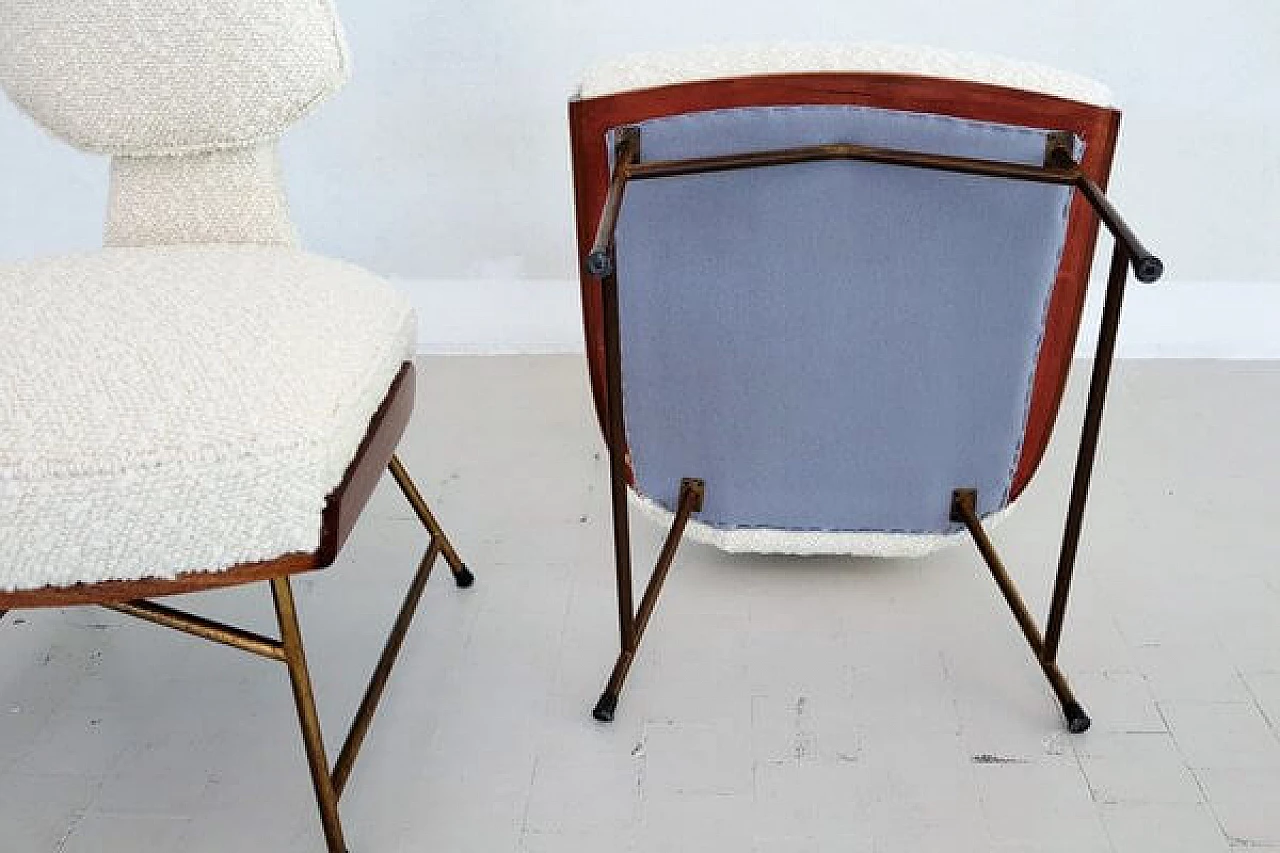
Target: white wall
445 165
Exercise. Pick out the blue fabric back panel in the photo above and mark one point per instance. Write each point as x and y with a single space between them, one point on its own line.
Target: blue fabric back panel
833 346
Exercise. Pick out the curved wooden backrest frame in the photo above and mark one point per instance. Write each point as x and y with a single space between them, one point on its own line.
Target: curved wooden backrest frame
590 119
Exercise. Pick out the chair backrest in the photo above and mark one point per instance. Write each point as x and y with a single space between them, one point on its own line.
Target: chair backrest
214 82
834 347
141 77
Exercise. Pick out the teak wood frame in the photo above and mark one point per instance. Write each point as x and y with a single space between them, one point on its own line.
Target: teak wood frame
376 453
1059 168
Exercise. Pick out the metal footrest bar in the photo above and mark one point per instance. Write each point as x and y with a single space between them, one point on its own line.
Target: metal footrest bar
964 510
198 626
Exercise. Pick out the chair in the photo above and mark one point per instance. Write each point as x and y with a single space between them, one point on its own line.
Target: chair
831 296
200 404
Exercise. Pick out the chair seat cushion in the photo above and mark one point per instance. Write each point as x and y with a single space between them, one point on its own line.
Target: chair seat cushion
182 409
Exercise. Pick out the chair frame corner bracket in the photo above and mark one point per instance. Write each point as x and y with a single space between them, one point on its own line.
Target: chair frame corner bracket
1059 150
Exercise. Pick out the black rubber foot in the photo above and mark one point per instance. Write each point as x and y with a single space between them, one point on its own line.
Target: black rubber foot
605 707
463 577
1077 720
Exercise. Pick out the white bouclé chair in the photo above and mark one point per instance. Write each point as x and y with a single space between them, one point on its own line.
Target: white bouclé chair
201 403
831 295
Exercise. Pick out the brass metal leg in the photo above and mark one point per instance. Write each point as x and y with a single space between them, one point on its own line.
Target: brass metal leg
691 495
615 437
964 509
198 626
631 624
461 574
1088 448
304 699
378 681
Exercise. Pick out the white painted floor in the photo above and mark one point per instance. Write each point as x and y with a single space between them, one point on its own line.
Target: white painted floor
787 706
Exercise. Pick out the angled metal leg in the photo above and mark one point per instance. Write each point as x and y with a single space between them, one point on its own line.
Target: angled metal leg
198 626
289 650
964 504
1088 447
461 574
304 699
964 501
616 439
378 681
631 624
691 494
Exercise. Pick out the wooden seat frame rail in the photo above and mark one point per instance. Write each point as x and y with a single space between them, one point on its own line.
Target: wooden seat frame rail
600 263
376 453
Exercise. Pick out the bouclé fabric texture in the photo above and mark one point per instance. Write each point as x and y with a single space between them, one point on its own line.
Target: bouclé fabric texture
141 77
811 543
646 71
231 196
187 399
182 409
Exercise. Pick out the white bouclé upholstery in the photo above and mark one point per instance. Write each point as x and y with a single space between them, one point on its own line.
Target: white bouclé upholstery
187 399
228 196
141 77
646 71
184 409
804 543
189 95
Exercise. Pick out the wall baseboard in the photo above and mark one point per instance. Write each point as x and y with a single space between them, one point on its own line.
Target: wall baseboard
1225 320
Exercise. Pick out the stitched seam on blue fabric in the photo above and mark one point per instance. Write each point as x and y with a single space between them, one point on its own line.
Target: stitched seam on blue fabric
1078 151
985 126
